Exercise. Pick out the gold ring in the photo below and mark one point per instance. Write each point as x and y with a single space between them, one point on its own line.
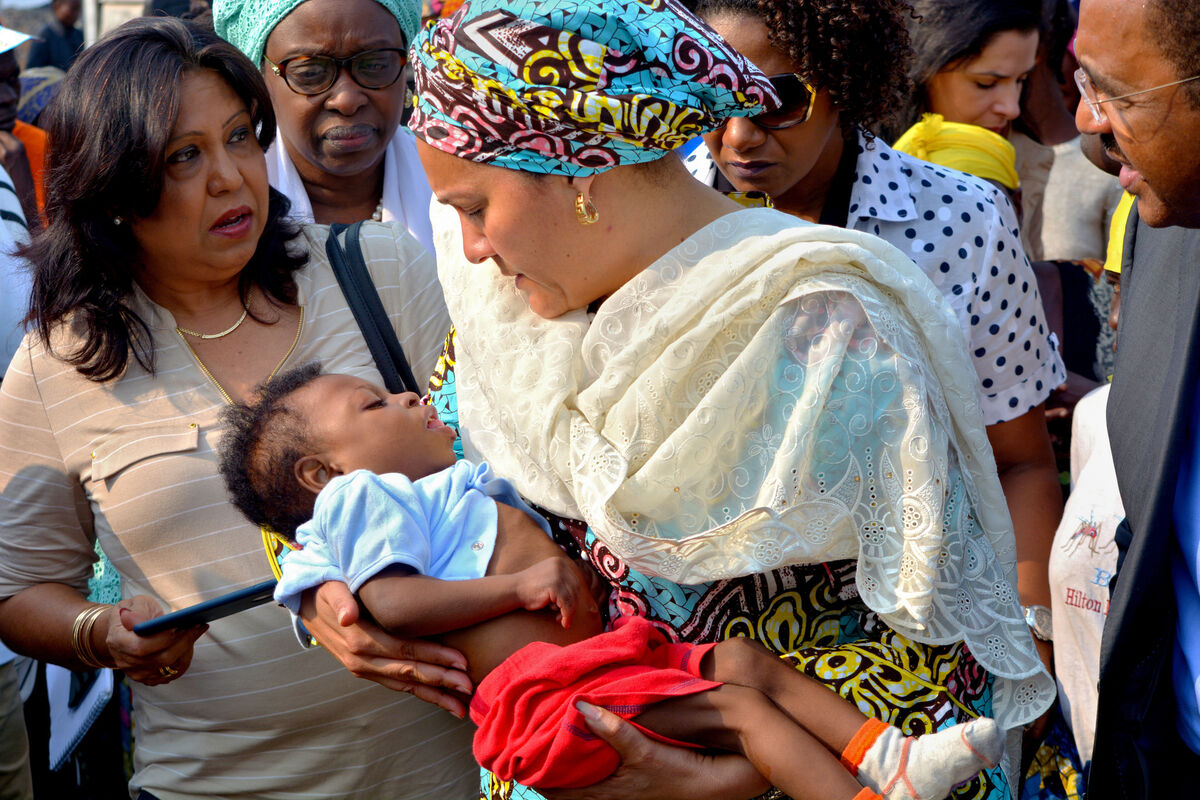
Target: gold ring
168 672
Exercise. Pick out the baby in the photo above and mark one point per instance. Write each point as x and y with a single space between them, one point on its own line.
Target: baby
366 483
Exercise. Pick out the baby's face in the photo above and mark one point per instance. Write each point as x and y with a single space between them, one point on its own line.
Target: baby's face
359 425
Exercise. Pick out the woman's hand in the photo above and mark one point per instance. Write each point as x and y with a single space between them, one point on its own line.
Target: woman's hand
432 672
653 771
151 660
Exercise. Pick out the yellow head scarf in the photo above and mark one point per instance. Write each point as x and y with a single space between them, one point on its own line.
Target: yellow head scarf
969 148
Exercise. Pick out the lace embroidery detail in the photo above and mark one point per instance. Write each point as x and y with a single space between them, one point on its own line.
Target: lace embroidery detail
767 393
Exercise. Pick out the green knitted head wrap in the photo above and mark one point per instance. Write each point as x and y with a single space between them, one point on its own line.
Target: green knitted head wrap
246 24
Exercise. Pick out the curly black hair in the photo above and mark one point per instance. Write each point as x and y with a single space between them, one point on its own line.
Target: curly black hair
1175 26
857 50
263 441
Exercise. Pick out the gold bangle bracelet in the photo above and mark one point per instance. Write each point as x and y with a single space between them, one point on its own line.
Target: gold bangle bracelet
90 657
81 636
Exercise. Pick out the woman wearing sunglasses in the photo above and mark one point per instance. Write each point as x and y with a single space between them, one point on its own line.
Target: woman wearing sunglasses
817 159
335 70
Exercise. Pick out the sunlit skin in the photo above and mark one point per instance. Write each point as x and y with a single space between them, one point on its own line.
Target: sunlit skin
1155 136
213 206
526 224
359 425
986 90
337 139
795 166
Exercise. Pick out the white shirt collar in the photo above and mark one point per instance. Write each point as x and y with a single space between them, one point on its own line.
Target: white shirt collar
406 192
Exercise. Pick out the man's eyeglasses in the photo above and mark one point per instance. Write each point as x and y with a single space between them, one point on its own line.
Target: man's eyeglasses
370 69
796 103
1093 98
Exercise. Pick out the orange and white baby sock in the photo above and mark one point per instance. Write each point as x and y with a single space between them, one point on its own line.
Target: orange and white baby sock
927 767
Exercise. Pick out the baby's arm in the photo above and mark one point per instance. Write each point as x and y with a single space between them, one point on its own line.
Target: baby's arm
405 603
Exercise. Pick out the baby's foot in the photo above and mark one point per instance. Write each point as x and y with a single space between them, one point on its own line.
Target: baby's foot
927 767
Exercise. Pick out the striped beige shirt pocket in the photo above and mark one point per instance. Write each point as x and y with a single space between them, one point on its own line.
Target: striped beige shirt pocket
120 449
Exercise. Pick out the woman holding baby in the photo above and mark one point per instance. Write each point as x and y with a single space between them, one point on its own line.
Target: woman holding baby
767 428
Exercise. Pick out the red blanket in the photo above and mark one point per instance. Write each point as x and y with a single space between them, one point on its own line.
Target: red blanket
529 728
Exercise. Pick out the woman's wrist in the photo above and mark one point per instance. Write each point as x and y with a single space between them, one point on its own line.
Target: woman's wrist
83 641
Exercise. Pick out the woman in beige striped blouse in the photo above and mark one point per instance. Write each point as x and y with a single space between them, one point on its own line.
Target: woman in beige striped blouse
166 285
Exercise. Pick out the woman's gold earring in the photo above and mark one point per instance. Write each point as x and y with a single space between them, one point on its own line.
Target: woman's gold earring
585 212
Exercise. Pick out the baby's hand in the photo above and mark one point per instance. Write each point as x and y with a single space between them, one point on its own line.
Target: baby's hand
552 582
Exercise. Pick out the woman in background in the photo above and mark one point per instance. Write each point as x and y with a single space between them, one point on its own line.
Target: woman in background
971 59
335 71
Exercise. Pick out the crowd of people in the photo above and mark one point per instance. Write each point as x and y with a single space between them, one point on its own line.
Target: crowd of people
729 403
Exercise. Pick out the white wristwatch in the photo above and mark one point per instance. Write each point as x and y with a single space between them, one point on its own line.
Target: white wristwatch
1040 621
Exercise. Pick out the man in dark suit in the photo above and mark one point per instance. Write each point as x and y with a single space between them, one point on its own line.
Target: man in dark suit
1140 80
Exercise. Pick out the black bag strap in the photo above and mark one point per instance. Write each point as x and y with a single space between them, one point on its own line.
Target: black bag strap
363 299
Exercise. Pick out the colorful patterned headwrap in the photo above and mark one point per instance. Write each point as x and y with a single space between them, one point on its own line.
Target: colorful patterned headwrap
574 87
246 24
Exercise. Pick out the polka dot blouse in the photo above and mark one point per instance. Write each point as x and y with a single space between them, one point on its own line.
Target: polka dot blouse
962 232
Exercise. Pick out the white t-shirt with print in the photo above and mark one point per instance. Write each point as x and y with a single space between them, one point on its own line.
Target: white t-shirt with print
962 232
1082 562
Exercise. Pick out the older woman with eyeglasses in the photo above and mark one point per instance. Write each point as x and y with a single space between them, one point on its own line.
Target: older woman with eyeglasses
818 160
336 73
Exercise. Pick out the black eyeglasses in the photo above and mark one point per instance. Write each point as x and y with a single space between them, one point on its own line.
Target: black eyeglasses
796 100
370 69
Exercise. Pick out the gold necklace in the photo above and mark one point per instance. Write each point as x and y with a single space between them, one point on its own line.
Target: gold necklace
220 388
226 332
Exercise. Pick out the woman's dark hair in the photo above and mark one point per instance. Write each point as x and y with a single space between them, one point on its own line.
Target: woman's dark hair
109 128
947 32
857 50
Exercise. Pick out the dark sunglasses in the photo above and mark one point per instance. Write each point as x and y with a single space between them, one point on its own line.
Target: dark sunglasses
796 99
370 69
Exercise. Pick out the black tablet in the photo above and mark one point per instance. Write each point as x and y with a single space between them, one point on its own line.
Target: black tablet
209 610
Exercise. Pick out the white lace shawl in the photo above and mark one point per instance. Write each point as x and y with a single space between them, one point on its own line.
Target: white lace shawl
769 392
